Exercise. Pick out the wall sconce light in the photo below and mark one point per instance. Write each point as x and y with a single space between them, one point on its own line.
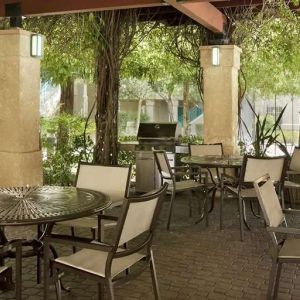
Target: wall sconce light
215 56
36 45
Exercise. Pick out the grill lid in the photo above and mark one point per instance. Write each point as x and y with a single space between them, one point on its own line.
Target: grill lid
156 131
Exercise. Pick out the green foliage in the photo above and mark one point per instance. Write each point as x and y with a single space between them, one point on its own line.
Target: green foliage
192 139
68 52
266 133
152 61
270 43
64 146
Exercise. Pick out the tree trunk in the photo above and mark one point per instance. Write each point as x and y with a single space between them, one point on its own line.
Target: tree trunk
67 97
108 69
186 89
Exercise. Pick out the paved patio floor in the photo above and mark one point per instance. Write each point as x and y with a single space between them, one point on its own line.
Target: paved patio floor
193 262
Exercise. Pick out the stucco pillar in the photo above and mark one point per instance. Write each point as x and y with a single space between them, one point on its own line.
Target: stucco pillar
150 110
20 153
221 97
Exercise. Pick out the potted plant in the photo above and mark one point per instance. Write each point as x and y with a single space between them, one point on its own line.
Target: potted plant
266 134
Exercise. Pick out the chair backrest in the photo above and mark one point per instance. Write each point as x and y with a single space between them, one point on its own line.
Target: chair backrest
206 149
255 167
163 164
111 180
139 215
269 203
295 160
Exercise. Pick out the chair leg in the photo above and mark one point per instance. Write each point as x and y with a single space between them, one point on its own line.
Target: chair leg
221 207
46 270
154 277
57 283
206 207
73 235
110 290
241 212
171 209
213 197
19 271
276 285
100 291
272 279
190 204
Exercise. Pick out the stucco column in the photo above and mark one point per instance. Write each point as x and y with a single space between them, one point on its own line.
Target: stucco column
149 110
221 97
20 153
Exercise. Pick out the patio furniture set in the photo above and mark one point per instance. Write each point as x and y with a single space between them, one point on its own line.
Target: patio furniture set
98 188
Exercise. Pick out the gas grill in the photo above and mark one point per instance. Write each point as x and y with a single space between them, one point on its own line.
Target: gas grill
160 136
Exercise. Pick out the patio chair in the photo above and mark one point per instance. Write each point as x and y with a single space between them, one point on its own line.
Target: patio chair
205 150
253 168
107 263
6 272
168 174
292 184
110 180
284 250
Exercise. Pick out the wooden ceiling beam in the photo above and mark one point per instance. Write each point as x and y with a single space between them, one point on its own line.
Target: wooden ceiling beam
52 7
202 12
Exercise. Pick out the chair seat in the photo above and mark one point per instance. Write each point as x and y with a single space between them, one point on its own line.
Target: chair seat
94 261
245 193
290 249
87 222
186 185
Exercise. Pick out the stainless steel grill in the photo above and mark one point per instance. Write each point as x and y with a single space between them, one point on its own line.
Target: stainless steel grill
156 135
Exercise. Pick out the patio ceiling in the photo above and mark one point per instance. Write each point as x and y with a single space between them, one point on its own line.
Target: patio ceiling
205 12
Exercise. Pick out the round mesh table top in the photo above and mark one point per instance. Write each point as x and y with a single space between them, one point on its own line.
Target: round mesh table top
35 205
225 161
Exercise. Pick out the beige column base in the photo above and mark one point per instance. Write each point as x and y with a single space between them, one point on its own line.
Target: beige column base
21 169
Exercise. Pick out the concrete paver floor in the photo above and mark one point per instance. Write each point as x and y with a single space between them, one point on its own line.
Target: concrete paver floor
193 262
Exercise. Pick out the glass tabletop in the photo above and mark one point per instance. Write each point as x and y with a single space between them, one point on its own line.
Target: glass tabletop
214 160
48 204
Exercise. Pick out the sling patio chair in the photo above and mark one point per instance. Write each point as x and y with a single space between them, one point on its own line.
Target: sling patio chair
292 184
111 180
284 250
168 174
107 263
253 168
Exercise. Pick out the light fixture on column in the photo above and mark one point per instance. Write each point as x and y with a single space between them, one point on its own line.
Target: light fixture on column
36 46
215 56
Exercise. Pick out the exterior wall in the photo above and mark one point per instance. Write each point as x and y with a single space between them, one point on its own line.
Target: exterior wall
291 114
81 105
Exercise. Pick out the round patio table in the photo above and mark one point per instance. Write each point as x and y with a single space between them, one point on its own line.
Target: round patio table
48 204
214 161
45 205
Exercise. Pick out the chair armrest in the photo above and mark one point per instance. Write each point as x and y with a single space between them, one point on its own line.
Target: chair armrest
180 168
78 241
291 211
285 230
